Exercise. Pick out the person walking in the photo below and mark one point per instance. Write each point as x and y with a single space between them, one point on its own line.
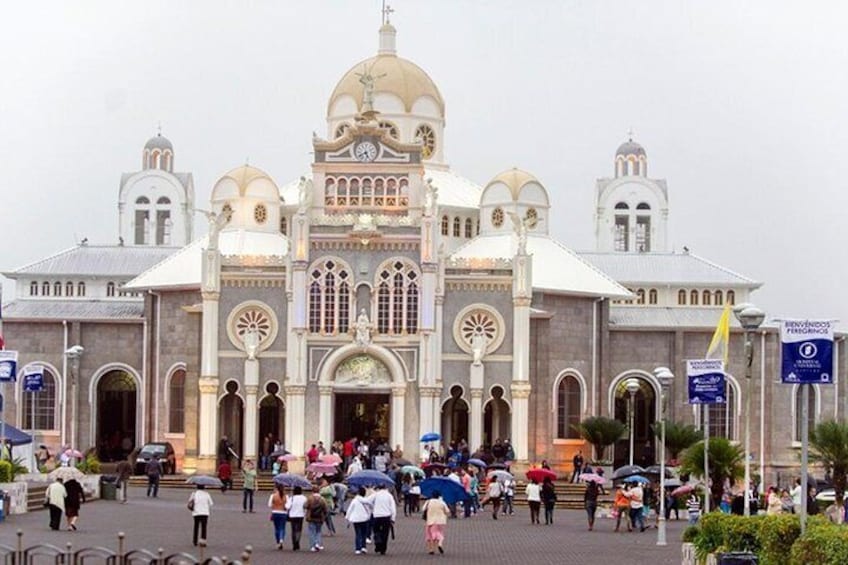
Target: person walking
200 503
384 513
248 476
693 506
534 500
225 474
590 500
436 516
54 499
508 496
328 495
494 491
577 464
316 514
124 471
549 499
279 514
296 506
637 514
73 500
153 469
359 514
622 508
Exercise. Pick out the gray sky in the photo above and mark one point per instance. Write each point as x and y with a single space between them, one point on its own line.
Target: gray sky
740 106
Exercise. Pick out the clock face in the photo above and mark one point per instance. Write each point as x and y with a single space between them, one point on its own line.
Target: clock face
365 152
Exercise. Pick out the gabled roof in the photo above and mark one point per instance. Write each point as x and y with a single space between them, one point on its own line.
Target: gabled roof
669 317
666 268
182 270
73 310
96 261
555 267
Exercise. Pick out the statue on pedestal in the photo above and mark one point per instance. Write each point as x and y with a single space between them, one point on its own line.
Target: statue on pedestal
251 340
304 195
362 328
431 196
478 347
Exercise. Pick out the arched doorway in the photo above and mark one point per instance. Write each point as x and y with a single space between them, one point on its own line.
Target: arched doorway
231 417
272 417
644 416
116 415
455 416
496 418
362 400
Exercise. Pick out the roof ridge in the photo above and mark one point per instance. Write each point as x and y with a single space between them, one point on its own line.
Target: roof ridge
42 260
582 260
725 269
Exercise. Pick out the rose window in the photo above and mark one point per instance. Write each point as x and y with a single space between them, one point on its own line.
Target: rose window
497 217
479 323
253 320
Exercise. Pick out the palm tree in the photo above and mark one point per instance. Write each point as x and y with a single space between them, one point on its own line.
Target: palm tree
727 462
678 437
829 446
601 433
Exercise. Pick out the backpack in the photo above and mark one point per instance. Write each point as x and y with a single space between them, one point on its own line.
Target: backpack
495 489
317 511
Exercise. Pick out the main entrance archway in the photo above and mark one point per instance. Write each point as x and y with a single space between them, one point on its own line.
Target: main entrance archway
231 417
116 415
644 416
272 417
365 416
455 417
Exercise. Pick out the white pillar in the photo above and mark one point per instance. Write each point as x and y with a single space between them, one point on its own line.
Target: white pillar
476 376
208 424
325 414
425 412
251 386
522 292
295 419
398 417
520 419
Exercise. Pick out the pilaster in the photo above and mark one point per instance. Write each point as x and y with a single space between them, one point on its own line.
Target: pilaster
295 418
251 387
325 414
398 412
520 419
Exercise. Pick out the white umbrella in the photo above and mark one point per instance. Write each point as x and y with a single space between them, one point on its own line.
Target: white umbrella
66 474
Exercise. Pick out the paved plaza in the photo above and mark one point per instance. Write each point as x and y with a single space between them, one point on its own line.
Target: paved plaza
166 522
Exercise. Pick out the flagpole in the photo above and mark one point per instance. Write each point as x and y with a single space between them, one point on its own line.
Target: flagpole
707 457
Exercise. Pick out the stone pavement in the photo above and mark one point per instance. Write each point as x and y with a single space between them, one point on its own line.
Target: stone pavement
166 522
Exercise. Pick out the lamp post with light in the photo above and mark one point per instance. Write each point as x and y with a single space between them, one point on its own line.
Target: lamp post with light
665 376
632 386
74 354
750 317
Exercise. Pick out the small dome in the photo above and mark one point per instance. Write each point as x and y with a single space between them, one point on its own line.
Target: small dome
245 181
514 179
158 142
630 147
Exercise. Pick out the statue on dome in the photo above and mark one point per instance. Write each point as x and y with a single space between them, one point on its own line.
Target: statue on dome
251 343
304 195
431 196
369 82
520 226
362 329
478 347
216 224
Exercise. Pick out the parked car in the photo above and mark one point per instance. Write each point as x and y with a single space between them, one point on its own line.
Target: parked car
826 495
166 454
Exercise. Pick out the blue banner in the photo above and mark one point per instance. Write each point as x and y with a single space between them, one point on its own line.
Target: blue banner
806 351
8 366
34 378
706 381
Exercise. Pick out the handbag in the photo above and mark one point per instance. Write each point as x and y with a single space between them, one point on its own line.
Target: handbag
424 513
190 504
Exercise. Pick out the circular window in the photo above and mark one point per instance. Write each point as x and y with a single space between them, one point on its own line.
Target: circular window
391 129
425 135
478 319
227 210
260 214
272 388
532 217
252 316
497 217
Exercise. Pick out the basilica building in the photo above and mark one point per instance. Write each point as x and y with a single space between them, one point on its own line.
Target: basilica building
383 295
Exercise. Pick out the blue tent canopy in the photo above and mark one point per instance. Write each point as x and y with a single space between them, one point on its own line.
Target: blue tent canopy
16 436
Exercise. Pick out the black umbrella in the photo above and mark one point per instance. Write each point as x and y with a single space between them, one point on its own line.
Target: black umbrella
497 466
655 470
627 471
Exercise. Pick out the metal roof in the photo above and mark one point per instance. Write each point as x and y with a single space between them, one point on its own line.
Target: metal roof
666 268
74 310
96 261
669 317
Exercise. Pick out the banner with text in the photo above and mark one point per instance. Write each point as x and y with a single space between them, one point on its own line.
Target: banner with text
33 378
8 366
706 381
806 351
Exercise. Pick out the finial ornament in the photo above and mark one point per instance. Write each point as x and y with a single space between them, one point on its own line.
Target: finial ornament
159 128
387 12
630 134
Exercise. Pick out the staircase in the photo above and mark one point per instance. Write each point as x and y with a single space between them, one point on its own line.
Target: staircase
35 496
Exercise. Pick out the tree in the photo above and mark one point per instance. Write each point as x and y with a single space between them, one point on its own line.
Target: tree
727 462
829 446
601 433
678 437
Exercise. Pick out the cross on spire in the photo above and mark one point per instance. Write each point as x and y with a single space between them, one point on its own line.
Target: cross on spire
387 12
630 134
159 128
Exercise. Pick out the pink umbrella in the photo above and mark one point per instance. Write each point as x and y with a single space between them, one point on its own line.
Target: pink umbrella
592 478
73 453
331 458
685 489
287 457
322 468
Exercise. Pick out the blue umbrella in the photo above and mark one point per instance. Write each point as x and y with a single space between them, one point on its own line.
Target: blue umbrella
290 480
431 436
479 463
451 491
205 480
636 479
370 478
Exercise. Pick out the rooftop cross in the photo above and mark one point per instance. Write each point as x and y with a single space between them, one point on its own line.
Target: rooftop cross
387 12
630 134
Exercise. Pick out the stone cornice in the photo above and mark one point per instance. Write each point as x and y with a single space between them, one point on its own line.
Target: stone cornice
488 284
355 245
252 281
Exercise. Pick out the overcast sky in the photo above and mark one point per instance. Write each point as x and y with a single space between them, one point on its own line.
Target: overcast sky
741 106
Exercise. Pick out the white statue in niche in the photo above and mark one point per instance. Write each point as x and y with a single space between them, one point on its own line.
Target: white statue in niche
478 347
251 343
431 197
362 329
304 195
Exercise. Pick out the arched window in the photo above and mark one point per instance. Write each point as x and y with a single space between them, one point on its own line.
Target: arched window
811 410
705 297
45 405
397 298
693 298
329 297
176 402
469 228
45 288
731 297
81 289
457 227
110 289
652 296
722 416
622 206
142 200
445 225
643 206
57 288
719 298
33 288
681 297
568 407
69 288
284 225
640 296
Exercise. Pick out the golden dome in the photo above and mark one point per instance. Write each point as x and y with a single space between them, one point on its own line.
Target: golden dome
403 78
245 181
514 179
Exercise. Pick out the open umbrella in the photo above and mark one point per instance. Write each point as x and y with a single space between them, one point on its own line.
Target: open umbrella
75 453
626 471
278 452
500 466
539 475
369 478
286 457
636 479
450 490
431 436
479 463
592 478
655 470
430 468
205 480
66 474
411 470
680 491
672 483
291 480
401 462
332 458
500 475
322 468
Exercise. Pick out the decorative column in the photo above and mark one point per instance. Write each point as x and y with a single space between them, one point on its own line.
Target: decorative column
522 292
520 419
398 416
208 424
476 425
296 358
251 386
208 382
295 420
325 414
425 412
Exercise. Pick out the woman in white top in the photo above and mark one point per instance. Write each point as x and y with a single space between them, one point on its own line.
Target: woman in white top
200 504
359 513
534 500
296 507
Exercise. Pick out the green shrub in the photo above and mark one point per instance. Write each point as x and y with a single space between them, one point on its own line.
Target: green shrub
710 536
743 534
690 533
777 534
89 465
823 543
720 532
5 472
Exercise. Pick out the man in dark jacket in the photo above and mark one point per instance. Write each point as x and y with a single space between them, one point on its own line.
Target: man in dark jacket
153 469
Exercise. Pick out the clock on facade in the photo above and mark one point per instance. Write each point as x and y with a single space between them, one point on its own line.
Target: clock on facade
365 151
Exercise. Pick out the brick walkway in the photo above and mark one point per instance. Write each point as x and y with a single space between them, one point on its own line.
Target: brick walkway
166 523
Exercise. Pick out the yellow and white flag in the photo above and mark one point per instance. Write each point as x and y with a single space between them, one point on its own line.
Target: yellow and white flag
720 344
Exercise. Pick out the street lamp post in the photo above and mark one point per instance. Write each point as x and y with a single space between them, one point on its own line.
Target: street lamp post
750 317
632 386
665 377
74 354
